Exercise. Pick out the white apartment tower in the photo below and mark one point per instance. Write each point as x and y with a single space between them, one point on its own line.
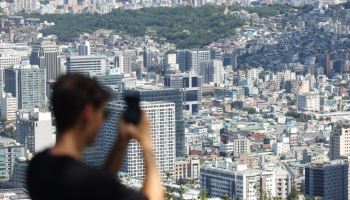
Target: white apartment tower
34 129
340 141
162 118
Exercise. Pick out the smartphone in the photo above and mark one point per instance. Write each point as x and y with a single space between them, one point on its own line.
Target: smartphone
133 110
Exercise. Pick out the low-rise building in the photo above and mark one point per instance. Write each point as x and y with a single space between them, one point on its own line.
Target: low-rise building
187 168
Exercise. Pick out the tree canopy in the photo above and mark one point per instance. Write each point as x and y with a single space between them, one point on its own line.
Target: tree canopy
187 27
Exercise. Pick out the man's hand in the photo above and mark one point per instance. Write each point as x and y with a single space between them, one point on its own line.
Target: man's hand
152 187
127 131
140 132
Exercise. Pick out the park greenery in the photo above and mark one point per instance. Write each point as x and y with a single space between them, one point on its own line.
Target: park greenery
250 110
8 132
299 117
186 27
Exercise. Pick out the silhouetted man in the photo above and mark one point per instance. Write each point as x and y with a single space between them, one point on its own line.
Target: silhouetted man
78 104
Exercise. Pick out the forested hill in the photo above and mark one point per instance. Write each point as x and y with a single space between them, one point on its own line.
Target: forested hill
185 26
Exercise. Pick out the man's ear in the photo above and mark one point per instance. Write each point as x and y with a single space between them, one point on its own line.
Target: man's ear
87 113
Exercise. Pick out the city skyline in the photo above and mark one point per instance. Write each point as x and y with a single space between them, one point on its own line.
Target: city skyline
246 99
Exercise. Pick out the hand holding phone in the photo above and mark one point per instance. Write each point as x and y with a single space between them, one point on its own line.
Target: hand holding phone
133 110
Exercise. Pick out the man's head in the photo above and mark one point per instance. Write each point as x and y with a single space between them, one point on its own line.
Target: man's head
78 103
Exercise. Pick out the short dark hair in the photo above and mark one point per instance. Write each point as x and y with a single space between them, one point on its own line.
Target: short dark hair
70 93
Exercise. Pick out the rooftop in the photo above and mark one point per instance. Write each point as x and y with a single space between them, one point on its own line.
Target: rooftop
14 194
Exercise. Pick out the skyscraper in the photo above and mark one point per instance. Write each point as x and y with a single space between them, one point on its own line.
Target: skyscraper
162 119
26 83
167 95
328 181
45 54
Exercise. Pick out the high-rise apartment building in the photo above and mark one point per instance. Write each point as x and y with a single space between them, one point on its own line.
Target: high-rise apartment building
34 130
162 119
327 181
89 65
169 95
28 84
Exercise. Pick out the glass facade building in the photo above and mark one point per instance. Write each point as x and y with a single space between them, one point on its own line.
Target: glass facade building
328 180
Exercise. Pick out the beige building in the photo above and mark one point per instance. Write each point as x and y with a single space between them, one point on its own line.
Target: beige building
187 168
308 102
340 141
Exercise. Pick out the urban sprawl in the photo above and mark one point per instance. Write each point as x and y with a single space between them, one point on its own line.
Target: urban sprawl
252 103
